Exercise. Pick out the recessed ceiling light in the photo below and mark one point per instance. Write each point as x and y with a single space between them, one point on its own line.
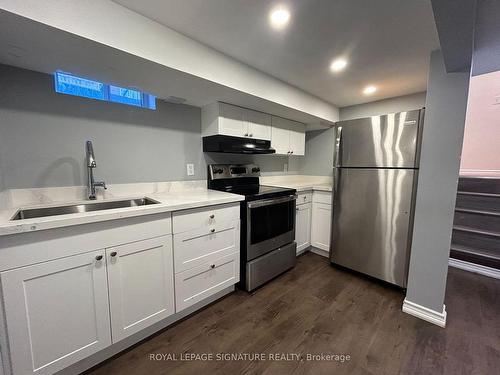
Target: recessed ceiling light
279 17
338 65
368 90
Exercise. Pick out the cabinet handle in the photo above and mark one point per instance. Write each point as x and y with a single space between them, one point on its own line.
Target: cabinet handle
212 230
212 216
212 266
113 254
98 257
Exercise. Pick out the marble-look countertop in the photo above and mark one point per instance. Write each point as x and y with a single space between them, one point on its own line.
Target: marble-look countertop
304 186
171 199
299 182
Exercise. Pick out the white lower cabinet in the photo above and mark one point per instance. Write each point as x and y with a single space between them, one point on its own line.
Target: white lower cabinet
321 220
56 312
200 282
141 285
207 256
63 301
303 226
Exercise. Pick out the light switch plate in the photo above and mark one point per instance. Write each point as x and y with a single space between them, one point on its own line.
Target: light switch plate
190 169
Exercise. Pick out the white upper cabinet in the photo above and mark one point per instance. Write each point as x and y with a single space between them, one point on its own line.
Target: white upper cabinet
259 124
227 119
232 121
288 137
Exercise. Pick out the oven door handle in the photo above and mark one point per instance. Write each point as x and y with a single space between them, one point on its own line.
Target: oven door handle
268 202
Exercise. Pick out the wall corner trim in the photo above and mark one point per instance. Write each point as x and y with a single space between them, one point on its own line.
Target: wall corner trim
424 313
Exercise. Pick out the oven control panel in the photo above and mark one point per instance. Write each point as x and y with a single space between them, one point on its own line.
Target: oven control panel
217 171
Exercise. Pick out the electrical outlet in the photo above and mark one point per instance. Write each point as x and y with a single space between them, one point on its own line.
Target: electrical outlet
190 169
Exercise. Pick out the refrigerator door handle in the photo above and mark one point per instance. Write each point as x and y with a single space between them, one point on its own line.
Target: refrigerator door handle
338 146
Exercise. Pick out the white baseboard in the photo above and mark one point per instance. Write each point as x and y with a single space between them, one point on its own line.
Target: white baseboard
321 252
424 313
476 268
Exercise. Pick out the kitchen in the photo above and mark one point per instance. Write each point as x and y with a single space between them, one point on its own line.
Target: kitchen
217 220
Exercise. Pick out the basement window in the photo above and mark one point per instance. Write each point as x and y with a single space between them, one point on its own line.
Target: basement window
69 84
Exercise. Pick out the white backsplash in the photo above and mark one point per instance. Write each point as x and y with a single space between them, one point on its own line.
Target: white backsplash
28 197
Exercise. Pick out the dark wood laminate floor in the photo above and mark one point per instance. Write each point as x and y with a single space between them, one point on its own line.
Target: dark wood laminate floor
315 308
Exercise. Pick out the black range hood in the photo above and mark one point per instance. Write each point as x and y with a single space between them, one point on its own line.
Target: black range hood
236 145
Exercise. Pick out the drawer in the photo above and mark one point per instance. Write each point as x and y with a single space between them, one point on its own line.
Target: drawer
322 197
204 217
200 246
201 282
305 197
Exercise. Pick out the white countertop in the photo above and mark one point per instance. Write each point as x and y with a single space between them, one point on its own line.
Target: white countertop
168 201
300 182
303 186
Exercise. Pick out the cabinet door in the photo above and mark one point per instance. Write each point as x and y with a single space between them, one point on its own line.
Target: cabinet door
232 121
280 136
57 312
297 138
320 225
141 285
303 226
259 125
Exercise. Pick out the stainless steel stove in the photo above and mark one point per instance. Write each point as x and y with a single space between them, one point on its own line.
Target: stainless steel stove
267 245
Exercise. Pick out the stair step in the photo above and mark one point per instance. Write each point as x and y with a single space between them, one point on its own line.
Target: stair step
479 184
476 231
472 256
483 221
478 201
478 240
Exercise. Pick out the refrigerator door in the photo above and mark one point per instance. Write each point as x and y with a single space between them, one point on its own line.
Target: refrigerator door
388 141
371 221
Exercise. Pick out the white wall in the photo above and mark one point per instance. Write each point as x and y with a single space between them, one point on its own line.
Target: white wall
113 25
381 107
481 148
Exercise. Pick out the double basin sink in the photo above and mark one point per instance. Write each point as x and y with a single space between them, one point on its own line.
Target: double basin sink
32 213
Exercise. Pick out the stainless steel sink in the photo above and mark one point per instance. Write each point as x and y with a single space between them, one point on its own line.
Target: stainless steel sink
31 213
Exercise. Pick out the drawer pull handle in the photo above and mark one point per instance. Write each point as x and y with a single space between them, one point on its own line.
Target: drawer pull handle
113 254
212 230
212 216
212 266
98 257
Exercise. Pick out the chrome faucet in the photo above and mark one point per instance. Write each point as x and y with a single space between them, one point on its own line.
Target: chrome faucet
91 164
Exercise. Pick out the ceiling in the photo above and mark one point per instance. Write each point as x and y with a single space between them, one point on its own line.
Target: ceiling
387 42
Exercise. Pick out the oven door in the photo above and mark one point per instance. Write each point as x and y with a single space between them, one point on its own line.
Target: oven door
270 224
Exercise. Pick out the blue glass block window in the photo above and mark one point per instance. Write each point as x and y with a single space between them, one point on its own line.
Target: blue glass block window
72 85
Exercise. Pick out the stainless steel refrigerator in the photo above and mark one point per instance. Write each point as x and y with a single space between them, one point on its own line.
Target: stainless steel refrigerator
375 173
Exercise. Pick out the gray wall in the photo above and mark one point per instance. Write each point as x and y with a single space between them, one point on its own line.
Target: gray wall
380 107
442 139
42 136
486 54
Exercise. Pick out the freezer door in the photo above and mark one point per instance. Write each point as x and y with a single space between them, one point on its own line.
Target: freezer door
388 141
371 222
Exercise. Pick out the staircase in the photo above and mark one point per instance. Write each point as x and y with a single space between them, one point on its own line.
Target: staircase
476 228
